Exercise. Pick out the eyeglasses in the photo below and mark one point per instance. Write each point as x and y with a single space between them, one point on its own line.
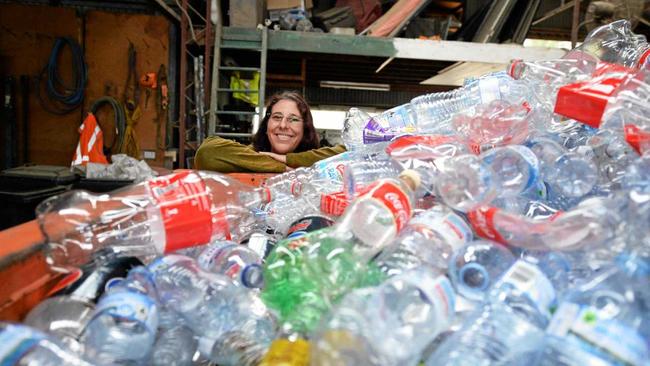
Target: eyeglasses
291 119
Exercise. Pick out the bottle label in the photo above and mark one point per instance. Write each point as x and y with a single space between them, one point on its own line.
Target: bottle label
209 255
334 204
489 89
529 279
394 199
417 146
450 226
130 306
373 132
482 221
308 224
397 119
16 341
596 332
330 170
441 294
184 204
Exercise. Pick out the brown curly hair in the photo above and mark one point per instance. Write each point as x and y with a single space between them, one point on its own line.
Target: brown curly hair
310 137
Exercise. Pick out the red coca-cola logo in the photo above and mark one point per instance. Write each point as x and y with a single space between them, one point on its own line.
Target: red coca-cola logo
482 221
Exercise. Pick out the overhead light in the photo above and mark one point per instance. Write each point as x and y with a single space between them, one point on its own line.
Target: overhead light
354 86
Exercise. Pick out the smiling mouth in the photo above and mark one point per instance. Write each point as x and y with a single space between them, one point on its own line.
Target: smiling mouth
284 137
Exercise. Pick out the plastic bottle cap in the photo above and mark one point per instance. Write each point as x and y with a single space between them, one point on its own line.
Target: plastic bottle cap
513 65
411 178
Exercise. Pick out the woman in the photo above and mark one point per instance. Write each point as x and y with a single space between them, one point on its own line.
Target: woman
286 139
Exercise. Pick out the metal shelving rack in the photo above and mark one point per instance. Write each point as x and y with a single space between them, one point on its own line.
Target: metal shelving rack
196 46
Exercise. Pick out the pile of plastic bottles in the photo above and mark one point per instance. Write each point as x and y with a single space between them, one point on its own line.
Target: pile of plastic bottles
504 223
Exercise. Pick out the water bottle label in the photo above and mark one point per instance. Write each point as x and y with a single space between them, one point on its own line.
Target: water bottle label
16 341
441 294
398 119
210 254
451 227
184 204
482 221
489 89
373 132
131 306
331 170
596 332
394 199
637 138
529 279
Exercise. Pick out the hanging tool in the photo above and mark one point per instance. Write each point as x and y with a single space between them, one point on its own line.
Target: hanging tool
162 103
131 97
63 99
149 83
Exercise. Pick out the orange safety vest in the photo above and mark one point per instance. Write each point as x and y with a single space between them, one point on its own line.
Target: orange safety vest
91 142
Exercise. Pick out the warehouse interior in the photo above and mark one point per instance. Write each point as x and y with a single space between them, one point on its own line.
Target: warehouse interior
324 182
162 34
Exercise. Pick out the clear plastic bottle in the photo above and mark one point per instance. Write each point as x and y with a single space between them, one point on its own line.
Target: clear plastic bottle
478 265
428 240
569 173
161 215
236 261
22 346
67 313
592 223
510 321
600 320
125 321
465 182
498 123
359 174
615 43
377 326
214 307
375 218
175 344
353 125
434 115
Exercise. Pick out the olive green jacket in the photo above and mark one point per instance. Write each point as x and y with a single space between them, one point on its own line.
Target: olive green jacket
227 156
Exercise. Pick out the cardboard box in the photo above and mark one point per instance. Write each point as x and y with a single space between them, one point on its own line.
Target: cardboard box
287 4
246 13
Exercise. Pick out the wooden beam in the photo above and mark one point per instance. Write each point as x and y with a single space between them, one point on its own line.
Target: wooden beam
402 47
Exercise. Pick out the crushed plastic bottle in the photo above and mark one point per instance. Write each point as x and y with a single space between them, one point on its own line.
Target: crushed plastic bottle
22 345
144 220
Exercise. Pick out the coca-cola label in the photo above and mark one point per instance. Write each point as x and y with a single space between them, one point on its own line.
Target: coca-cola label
334 204
637 138
393 197
184 204
482 221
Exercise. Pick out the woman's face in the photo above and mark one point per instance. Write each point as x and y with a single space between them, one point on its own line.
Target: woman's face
285 127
